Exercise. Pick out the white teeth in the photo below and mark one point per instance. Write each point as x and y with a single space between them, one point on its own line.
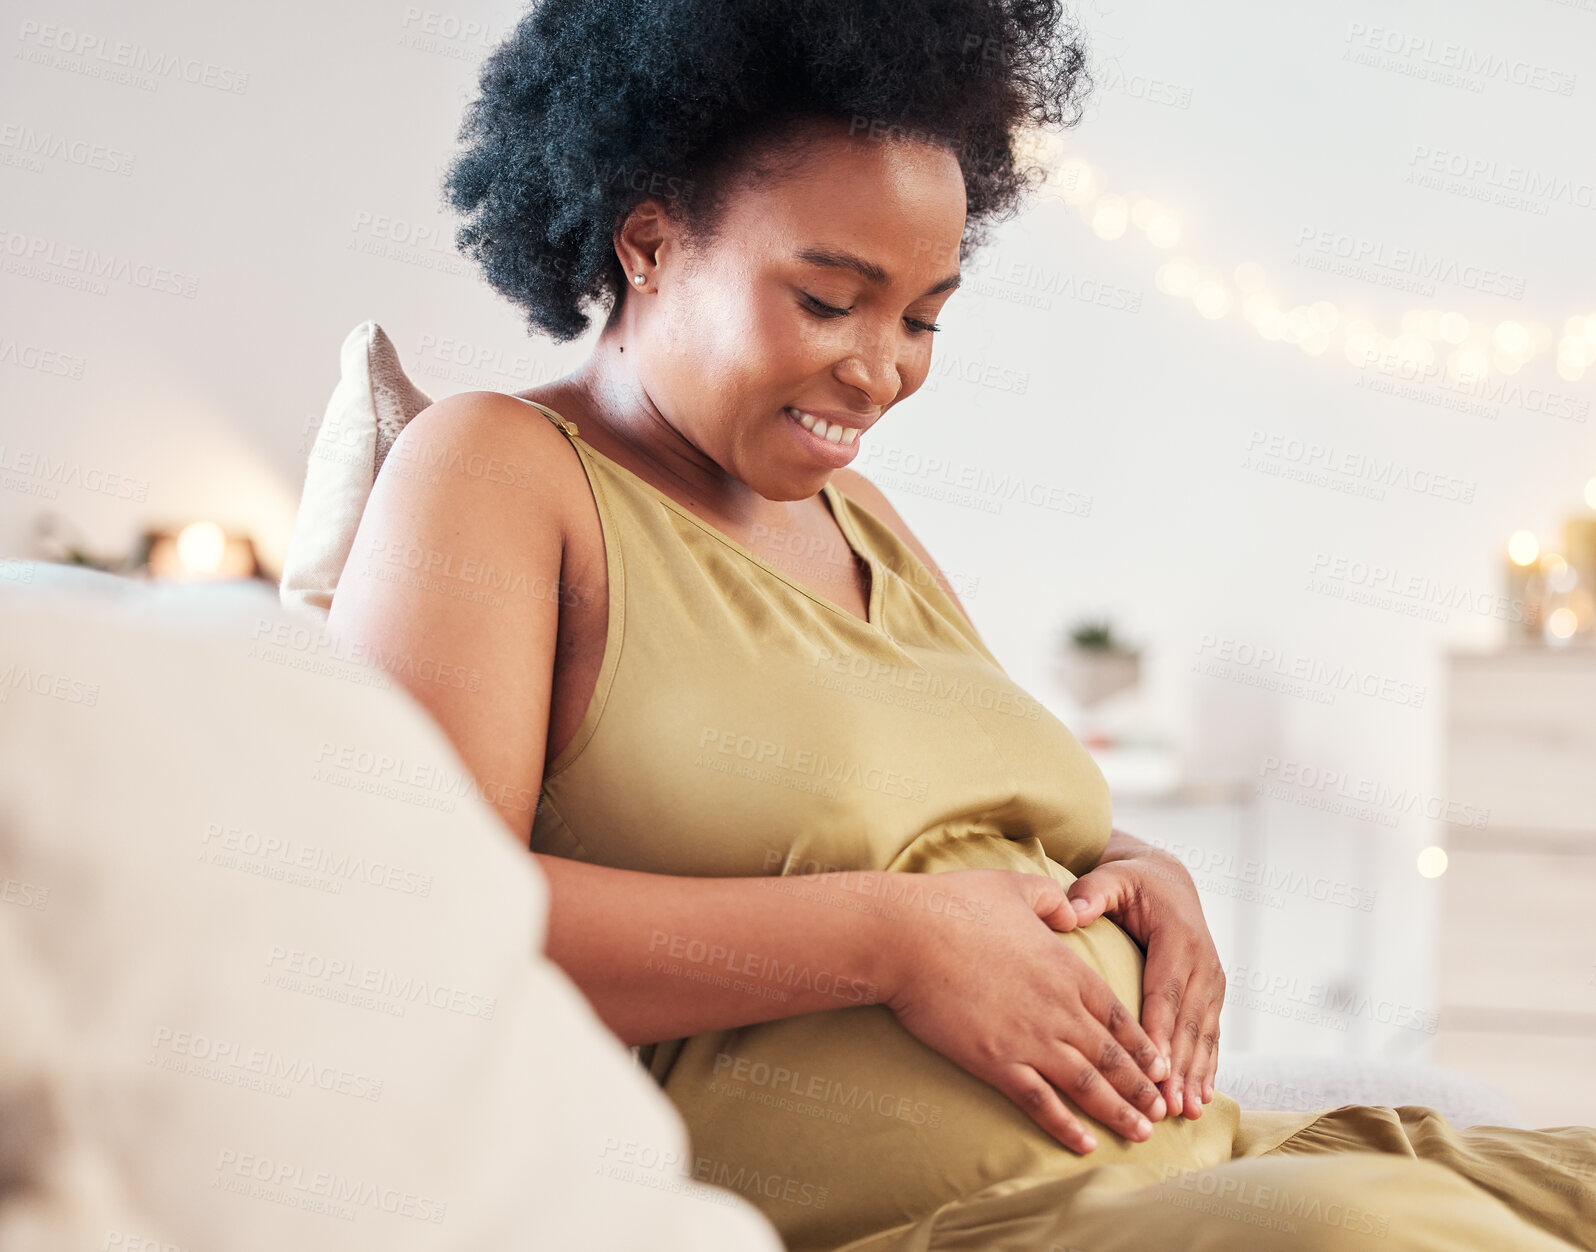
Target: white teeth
833 434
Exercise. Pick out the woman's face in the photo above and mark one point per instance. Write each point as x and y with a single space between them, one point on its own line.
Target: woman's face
814 297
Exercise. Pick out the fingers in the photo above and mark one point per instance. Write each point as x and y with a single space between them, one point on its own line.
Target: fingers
1133 1086
1096 892
1171 1091
1101 1002
1040 1101
1217 1009
1163 989
1200 1083
1076 1075
1048 899
1185 1048
1181 1005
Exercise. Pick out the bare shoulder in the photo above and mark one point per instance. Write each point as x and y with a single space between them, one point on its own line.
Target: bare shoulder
857 487
500 436
486 442
456 569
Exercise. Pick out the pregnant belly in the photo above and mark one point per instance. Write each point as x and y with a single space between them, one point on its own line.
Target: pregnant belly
840 1123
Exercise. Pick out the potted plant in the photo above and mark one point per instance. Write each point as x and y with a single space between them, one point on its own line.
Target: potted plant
1095 664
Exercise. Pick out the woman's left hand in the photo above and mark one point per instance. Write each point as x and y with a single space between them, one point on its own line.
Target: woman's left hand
1150 895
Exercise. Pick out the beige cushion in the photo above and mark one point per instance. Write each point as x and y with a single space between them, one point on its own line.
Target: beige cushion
369 407
262 949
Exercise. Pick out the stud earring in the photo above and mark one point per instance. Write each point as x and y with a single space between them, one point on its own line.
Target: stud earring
637 278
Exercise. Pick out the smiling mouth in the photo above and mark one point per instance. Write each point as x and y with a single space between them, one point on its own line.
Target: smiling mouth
831 432
829 443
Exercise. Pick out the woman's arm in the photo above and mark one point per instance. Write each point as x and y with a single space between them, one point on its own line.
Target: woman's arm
455 571
662 957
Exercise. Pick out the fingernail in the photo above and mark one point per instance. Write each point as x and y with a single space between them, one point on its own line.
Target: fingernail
1089 1142
1158 1109
1174 1102
1160 1069
1144 1127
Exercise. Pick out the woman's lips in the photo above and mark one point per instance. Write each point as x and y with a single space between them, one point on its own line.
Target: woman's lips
824 451
833 453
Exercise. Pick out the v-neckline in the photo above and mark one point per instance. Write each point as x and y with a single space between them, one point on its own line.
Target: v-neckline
828 493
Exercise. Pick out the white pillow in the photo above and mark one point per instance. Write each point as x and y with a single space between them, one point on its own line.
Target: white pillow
369 407
260 942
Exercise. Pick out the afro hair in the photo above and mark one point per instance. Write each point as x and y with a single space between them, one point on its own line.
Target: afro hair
588 107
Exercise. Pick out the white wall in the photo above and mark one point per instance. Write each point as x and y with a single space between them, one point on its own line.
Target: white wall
1254 124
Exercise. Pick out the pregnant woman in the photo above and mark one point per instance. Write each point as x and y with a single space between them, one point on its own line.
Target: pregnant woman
855 895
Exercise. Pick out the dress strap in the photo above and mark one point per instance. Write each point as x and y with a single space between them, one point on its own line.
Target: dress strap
569 427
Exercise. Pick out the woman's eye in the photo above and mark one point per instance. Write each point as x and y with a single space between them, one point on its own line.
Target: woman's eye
822 309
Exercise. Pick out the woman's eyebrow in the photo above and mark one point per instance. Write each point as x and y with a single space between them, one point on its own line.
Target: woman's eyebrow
836 258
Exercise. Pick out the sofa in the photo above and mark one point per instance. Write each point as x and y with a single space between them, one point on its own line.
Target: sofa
271 975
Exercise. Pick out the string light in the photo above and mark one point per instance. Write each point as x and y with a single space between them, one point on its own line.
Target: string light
1471 350
1110 216
1523 548
1466 350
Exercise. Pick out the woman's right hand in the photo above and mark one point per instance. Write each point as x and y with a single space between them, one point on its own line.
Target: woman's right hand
1008 1002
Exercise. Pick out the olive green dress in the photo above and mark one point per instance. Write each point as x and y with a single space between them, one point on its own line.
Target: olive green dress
743 725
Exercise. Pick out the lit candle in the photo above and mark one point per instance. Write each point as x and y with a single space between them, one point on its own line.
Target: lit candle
1525 586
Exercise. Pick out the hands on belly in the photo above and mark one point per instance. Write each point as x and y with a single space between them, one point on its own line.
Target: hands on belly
994 991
